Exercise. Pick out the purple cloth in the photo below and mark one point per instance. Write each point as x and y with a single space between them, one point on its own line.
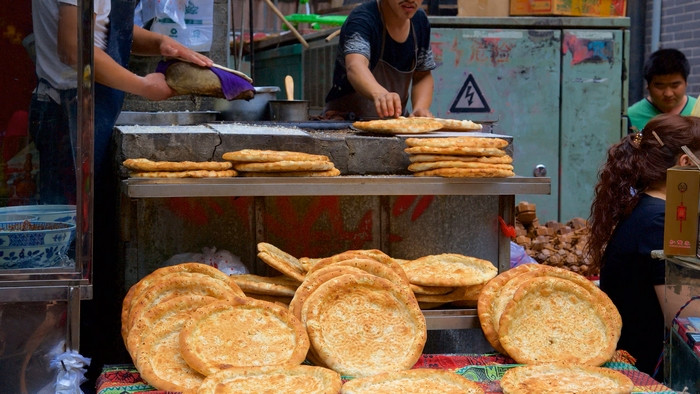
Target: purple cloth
232 85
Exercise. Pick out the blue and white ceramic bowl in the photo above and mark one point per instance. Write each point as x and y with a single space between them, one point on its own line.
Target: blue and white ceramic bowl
17 217
35 244
44 213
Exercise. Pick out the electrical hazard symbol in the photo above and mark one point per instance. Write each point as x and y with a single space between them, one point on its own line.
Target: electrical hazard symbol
470 98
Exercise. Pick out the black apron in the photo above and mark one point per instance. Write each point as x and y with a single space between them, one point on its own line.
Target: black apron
356 106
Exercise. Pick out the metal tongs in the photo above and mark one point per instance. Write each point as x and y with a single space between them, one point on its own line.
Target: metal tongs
692 156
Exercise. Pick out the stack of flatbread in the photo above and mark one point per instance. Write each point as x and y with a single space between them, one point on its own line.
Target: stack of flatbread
273 163
414 125
145 168
543 314
564 378
422 380
459 157
172 317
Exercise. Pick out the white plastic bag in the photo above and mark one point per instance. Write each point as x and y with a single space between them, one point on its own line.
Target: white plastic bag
190 22
223 260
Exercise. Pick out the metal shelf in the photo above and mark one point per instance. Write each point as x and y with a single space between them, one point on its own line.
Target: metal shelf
351 185
451 319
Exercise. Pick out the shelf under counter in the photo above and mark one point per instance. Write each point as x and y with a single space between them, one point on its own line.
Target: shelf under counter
350 185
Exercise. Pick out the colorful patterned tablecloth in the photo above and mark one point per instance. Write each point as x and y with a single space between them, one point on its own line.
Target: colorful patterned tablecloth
485 369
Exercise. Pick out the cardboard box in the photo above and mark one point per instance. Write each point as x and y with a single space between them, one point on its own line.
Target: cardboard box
483 7
603 8
681 220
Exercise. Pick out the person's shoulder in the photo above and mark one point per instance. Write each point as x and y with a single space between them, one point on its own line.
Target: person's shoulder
368 8
639 105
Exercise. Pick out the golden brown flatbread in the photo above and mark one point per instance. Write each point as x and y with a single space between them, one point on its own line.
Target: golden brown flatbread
480 159
374 254
455 150
488 310
447 142
432 165
269 285
564 378
552 320
452 172
188 78
449 269
263 156
458 125
426 381
285 165
185 174
431 290
279 380
400 125
281 261
332 172
139 287
256 333
362 325
142 164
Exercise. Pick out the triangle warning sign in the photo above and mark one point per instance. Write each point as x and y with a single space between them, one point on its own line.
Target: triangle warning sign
470 98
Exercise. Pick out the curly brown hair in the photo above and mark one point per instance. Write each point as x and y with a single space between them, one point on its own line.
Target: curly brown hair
633 165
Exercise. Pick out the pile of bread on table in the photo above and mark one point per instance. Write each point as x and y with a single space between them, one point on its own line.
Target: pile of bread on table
445 156
352 323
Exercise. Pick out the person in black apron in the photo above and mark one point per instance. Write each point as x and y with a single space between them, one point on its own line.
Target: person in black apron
383 57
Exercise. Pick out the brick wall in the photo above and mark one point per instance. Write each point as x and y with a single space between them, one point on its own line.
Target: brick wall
680 30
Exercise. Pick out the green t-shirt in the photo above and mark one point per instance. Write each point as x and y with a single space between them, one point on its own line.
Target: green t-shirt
643 110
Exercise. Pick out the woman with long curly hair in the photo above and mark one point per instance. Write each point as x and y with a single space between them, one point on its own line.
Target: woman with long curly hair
627 223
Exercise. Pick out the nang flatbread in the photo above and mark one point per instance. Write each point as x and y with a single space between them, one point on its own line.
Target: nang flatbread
374 254
251 333
426 166
362 325
455 150
261 156
458 125
453 172
184 174
552 320
400 125
412 381
447 142
332 172
449 269
279 380
287 165
269 285
136 290
483 159
281 261
564 378
489 310
142 164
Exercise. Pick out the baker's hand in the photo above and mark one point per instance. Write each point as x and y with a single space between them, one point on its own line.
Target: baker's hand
388 105
155 88
422 112
171 48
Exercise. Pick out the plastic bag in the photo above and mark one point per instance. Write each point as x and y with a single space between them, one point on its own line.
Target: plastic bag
518 256
190 22
71 367
223 260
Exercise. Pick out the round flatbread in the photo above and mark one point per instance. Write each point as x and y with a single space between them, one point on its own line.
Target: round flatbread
564 378
487 305
269 285
432 165
148 280
142 164
252 333
279 380
431 290
467 173
332 172
160 314
458 125
455 150
362 325
374 254
449 269
260 156
185 174
177 284
423 381
160 362
400 125
479 159
281 261
447 142
551 320
286 165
